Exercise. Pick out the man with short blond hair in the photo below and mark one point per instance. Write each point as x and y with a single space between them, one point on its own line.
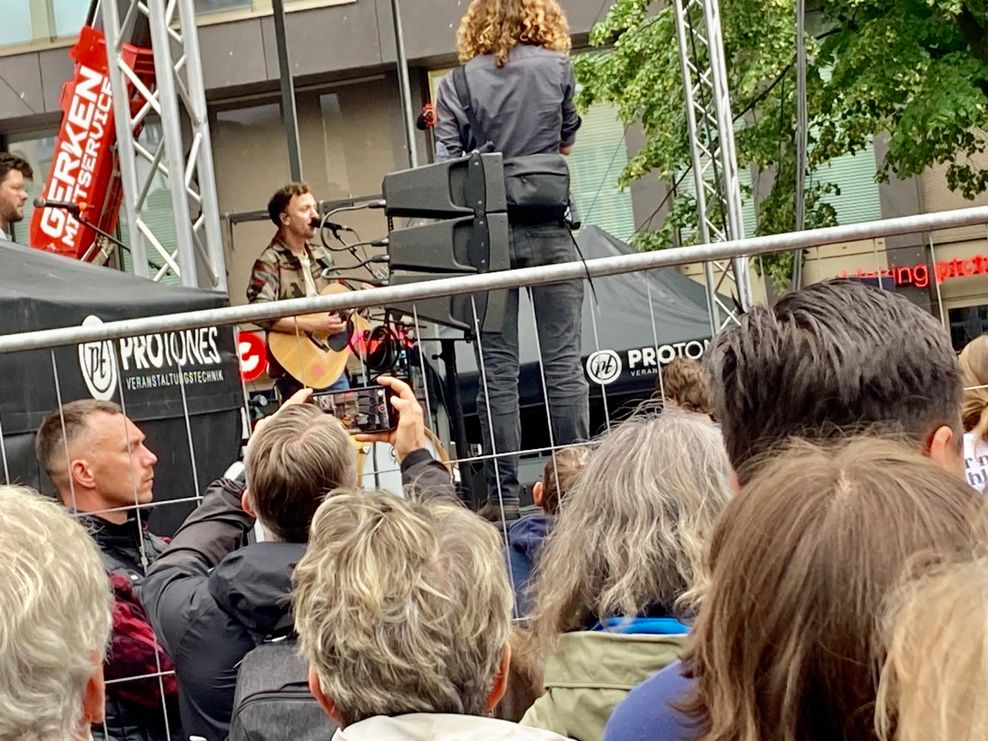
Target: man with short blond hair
403 610
54 621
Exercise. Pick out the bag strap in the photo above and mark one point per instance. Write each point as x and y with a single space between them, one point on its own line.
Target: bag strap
463 94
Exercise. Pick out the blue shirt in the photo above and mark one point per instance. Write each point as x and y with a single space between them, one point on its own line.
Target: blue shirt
646 713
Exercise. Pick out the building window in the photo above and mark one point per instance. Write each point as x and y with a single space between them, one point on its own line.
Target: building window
16 27
598 157
68 16
854 174
216 6
351 136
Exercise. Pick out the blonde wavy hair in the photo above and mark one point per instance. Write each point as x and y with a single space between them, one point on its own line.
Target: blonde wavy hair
55 607
973 361
632 531
497 26
402 606
935 676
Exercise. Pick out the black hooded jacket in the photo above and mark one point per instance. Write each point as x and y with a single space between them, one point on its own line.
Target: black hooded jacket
212 601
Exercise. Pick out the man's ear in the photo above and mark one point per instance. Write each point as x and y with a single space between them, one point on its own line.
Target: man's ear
538 490
943 449
735 482
500 679
324 702
81 473
94 695
247 505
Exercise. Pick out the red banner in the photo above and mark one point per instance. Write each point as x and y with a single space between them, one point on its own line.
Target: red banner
83 167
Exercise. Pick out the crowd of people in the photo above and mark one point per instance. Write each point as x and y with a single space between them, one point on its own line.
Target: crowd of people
788 544
760 555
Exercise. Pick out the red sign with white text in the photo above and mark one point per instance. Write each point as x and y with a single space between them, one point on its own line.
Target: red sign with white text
83 165
253 355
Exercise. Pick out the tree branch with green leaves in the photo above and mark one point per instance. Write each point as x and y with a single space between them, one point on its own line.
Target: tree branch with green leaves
913 70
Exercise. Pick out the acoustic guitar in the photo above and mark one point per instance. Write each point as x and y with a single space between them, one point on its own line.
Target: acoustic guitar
314 359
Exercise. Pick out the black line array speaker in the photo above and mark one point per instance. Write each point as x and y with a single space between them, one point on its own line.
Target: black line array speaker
458 226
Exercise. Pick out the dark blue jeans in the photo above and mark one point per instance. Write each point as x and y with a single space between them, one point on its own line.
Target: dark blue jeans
558 313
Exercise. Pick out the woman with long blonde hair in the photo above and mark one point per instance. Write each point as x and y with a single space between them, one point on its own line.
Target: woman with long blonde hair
621 570
514 95
974 413
935 679
786 646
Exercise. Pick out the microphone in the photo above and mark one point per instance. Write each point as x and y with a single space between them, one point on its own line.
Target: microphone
318 223
70 206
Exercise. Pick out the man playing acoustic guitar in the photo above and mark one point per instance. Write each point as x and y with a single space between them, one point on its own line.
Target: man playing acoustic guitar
292 266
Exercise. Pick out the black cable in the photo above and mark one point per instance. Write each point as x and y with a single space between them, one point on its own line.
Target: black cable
586 269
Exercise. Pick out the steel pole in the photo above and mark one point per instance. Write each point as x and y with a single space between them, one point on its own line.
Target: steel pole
802 138
289 112
404 86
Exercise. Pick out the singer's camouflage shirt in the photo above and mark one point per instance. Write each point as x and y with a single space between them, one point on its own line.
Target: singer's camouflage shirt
277 274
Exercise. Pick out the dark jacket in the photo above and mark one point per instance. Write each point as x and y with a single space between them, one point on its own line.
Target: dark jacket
211 601
525 538
133 707
121 544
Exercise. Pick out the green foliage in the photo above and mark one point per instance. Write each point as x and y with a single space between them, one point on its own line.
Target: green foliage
916 70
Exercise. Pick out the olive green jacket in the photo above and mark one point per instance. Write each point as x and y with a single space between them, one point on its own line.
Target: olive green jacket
590 673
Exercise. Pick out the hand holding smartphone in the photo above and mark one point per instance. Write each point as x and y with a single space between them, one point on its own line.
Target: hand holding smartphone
409 435
365 410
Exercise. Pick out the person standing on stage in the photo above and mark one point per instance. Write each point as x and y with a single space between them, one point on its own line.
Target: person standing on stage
292 266
516 57
14 172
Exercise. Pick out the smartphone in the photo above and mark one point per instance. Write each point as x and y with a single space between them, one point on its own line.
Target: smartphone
367 409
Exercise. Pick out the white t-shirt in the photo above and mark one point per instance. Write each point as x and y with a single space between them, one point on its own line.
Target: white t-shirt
976 461
310 285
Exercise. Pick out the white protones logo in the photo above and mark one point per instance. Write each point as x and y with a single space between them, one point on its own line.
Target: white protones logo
98 364
604 366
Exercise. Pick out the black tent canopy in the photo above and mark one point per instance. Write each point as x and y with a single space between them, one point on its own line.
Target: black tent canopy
154 377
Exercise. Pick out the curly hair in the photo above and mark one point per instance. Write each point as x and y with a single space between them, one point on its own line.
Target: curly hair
683 383
496 26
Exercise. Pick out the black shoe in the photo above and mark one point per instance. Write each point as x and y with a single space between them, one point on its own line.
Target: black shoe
494 512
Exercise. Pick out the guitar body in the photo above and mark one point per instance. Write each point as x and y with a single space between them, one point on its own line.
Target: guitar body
315 360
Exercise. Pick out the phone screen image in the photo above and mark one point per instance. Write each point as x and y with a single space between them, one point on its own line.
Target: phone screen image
361 409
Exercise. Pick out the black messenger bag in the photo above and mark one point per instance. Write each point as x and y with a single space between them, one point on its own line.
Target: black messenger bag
536 185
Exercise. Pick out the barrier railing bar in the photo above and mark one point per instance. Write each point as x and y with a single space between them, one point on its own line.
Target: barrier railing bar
459 285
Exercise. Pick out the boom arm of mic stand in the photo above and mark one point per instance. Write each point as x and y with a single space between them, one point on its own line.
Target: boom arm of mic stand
88 253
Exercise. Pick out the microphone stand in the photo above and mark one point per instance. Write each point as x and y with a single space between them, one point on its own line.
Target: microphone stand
106 235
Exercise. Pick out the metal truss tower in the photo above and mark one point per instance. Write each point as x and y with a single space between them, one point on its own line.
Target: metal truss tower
179 101
714 160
